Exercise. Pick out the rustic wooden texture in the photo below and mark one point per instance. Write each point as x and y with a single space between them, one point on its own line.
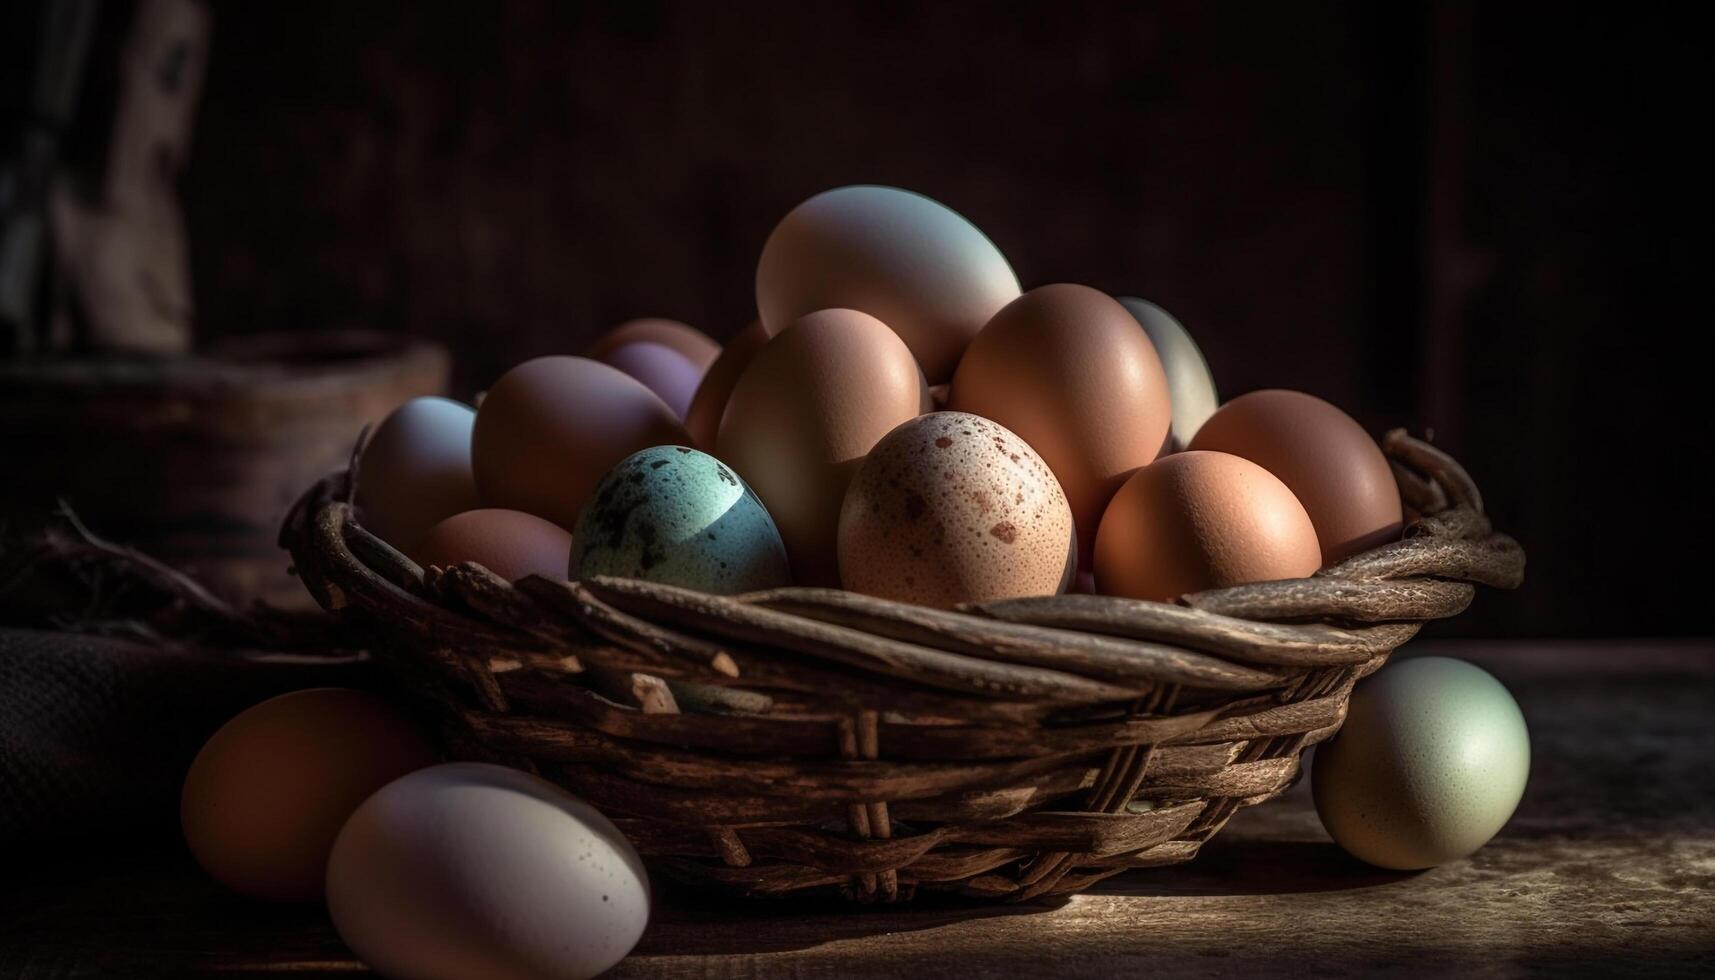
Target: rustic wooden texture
832 739
1608 867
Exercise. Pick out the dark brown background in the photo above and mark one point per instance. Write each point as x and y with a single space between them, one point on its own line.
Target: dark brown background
1483 221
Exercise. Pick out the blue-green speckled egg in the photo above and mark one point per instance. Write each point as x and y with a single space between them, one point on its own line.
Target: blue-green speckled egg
681 517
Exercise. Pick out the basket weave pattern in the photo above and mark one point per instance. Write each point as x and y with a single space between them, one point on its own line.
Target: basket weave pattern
813 739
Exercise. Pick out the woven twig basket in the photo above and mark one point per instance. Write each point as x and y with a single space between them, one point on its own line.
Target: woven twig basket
812 739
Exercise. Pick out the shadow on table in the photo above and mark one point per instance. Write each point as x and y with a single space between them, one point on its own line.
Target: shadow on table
1256 866
692 922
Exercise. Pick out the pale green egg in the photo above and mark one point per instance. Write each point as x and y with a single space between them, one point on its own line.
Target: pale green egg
1430 764
674 515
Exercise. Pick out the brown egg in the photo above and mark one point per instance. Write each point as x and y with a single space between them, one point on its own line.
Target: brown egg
551 428
803 415
698 347
1066 368
509 543
1331 464
268 793
951 508
703 418
663 370
1201 520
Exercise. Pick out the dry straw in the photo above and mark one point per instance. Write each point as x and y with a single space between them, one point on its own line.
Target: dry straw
812 739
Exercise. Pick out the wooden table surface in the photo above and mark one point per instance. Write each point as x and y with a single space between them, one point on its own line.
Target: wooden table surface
1608 865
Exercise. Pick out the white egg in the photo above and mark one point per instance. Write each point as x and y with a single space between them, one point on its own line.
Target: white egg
911 262
416 472
475 870
1189 383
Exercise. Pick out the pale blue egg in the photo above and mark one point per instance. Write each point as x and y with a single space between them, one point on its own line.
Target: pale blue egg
674 515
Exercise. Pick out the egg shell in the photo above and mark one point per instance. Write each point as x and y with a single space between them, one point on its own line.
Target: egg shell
416 470
703 418
551 428
1201 520
812 404
1190 385
951 508
1327 459
663 370
509 543
475 870
674 515
697 347
269 791
1430 764
909 261
1067 368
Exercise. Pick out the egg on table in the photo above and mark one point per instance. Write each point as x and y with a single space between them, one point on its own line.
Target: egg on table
951 508
674 515
1190 386
1201 520
269 791
416 470
509 543
1067 369
909 261
813 402
552 427
1323 455
1430 764
475 870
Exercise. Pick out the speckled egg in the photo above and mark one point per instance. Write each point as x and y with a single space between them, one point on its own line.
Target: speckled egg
951 508
674 515
1430 764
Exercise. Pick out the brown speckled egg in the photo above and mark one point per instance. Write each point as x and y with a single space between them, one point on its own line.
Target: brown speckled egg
951 508
1067 368
1323 455
509 543
1201 520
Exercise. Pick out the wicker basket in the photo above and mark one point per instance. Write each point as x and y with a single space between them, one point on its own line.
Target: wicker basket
815 740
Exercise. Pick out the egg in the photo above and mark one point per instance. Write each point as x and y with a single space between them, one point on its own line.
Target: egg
675 515
475 870
552 427
1067 368
910 262
416 470
662 370
1201 520
1327 459
1430 764
813 402
509 543
703 418
951 508
697 347
1190 386
268 792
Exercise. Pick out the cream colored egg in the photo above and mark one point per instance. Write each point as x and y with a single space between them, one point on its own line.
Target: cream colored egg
1189 383
415 470
911 262
951 508
475 870
1430 764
